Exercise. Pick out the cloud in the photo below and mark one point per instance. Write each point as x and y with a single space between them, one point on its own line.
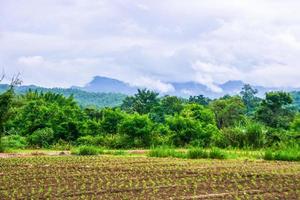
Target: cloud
153 84
148 43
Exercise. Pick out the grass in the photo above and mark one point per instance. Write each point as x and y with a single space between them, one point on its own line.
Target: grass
214 153
87 150
283 155
196 153
162 152
217 153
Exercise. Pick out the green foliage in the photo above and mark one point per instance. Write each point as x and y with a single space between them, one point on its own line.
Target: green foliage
14 142
110 120
184 130
200 99
229 111
250 100
284 155
171 105
87 151
6 100
39 110
251 134
138 128
199 113
274 111
164 151
196 153
52 120
142 102
217 153
41 137
83 98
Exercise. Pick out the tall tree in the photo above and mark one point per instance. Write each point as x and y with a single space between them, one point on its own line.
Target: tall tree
228 111
142 102
6 100
275 110
248 96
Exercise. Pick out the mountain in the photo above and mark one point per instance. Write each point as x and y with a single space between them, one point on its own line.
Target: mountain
182 89
107 92
104 84
84 98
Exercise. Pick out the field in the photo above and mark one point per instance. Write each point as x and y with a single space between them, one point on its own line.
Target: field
140 177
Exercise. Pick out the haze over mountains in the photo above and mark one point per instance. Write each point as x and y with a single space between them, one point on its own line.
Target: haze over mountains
109 92
182 89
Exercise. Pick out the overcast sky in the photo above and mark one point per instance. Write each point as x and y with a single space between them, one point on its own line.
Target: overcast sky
147 43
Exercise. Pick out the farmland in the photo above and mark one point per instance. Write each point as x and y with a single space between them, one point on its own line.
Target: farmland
140 177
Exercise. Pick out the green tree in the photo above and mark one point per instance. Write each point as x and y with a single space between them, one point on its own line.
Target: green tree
250 100
171 105
48 110
274 110
110 120
184 130
138 128
6 101
200 99
142 102
228 111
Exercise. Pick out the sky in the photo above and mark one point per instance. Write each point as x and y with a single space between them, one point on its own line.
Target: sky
62 43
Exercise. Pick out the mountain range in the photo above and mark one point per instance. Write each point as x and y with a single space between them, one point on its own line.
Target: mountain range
182 89
108 92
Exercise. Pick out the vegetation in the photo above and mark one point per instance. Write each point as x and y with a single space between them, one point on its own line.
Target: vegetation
45 120
83 98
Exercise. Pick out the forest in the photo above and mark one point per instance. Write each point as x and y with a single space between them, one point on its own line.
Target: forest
38 119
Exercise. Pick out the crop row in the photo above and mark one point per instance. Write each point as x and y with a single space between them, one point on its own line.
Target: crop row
107 177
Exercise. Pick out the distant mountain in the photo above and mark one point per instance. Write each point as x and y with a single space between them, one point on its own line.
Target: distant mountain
83 98
104 84
107 92
182 89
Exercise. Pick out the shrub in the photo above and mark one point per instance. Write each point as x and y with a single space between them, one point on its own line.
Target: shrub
283 155
162 152
14 142
184 130
61 145
217 153
197 153
41 137
2 148
87 150
255 134
138 128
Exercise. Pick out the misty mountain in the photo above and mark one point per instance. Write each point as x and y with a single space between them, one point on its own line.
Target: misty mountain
182 89
109 85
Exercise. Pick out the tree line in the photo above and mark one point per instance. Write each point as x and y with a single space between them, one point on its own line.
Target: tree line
46 119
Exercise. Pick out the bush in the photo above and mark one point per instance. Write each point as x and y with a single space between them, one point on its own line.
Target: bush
2 148
138 128
184 130
14 142
41 137
162 152
197 153
61 145
217 153
283 155
251 134
87 150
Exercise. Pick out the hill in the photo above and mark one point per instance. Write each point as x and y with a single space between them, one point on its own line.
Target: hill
84 98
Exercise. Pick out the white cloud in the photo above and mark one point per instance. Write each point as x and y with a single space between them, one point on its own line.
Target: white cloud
147 43
153 84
